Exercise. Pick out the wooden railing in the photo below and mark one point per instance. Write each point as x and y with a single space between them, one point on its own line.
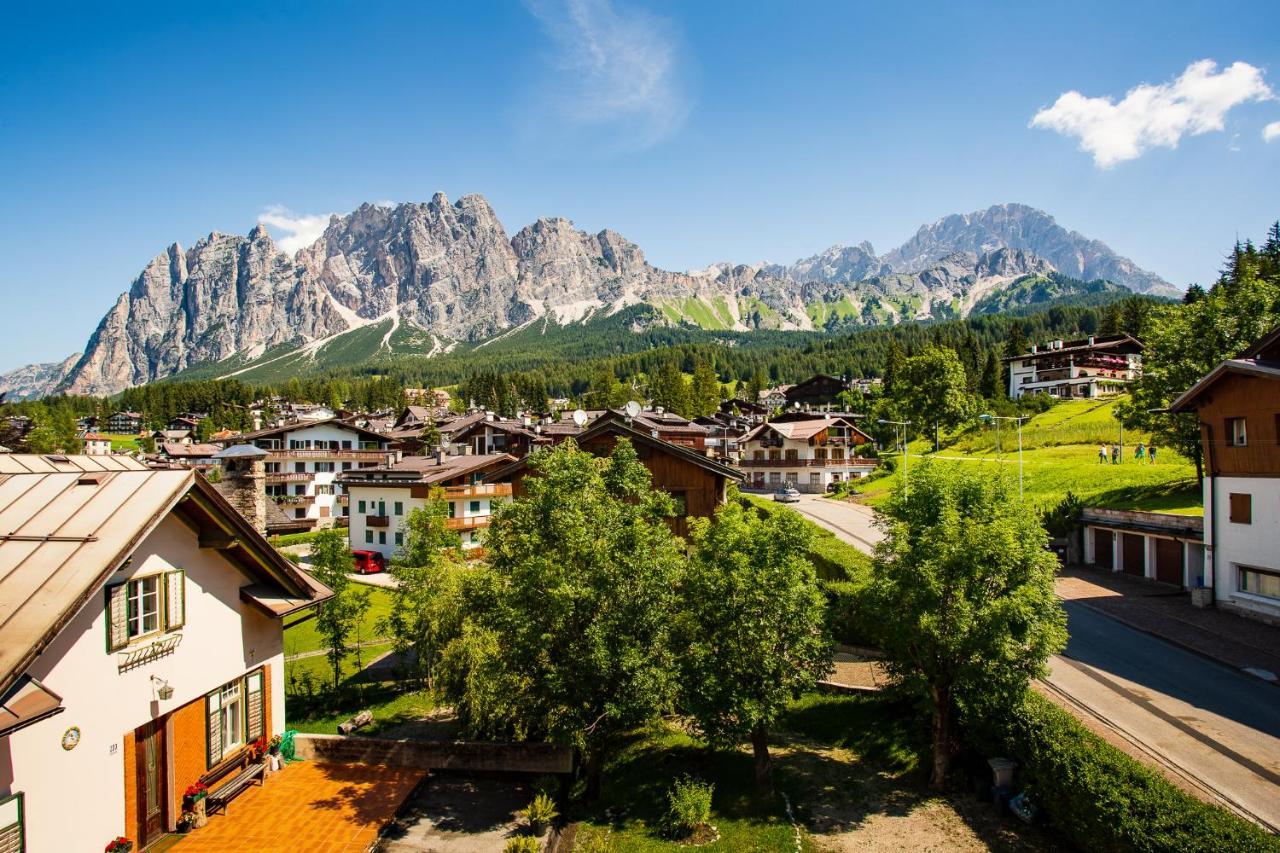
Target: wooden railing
807 463
289 477
345 455
377 521
481 490
469 522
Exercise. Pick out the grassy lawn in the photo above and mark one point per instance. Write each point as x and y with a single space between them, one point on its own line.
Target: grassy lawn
300 634
1060 454
123 442
852 768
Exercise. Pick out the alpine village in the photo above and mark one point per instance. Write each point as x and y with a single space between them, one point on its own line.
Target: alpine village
396 530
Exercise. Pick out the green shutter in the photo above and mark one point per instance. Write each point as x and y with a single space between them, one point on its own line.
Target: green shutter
12 820
254 719
213 728
175 599
117 598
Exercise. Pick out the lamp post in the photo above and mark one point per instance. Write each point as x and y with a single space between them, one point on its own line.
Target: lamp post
989 418
904 425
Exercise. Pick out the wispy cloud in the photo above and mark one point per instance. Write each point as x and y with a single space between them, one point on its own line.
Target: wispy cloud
299 230
1154 115
611 68
1271 132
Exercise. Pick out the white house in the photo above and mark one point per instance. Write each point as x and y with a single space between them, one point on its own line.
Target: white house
141 646
382 497
1096 366
305 460
808 451
1238 407
96 444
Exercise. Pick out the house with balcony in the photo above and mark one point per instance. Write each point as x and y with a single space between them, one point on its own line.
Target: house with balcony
125 423
96 444
305 459
810 452
141 650
1096 366
664 425
380 498
491 434
1237 405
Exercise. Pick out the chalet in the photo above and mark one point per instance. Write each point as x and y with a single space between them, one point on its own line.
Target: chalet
383 496
414 416
746 408
142 649
125 423
816 394
1238 408
189 421
189 455
774 398
305 458
1096 366
698 483
173 436
667 426
809 452
491 434
96 444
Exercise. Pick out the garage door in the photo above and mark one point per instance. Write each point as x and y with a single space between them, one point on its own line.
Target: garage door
1169 561
1131 545
1103 542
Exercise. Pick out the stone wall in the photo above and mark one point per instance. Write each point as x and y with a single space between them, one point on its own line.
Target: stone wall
435 755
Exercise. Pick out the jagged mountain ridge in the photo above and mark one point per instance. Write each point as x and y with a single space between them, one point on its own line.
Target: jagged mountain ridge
451 272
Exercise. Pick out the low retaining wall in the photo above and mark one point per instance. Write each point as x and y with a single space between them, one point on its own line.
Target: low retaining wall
436 755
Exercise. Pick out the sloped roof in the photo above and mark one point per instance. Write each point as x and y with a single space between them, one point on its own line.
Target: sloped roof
67 523
305 424
1240 366
1100 342
419 470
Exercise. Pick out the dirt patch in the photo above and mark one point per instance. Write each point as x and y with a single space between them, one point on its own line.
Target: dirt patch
458 814
439 724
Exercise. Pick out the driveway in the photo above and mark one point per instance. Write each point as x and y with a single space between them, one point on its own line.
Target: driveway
303 553
1214 729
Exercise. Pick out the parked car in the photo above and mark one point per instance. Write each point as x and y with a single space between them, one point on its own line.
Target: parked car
369 562
786 495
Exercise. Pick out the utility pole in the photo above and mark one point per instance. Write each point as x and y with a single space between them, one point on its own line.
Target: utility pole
990 418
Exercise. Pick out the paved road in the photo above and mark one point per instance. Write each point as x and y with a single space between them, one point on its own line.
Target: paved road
1216 728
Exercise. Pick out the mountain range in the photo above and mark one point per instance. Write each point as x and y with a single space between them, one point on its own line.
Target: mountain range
428 276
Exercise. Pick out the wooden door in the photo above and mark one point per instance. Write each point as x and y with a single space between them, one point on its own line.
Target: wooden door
149 747
1133 546
1169 561
1103 555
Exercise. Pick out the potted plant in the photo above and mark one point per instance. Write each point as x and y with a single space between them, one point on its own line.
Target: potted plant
539 813
194 797
187 822
119 844
273 745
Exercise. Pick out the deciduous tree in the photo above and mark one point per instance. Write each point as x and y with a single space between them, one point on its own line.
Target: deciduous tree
331 564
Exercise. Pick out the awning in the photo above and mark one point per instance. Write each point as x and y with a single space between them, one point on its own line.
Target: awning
274 601
27 702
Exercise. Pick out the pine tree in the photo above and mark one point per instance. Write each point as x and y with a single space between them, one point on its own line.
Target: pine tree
991 388
705 391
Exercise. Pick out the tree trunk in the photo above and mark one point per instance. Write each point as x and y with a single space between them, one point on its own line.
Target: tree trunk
942 713
594 770
764 764
937 443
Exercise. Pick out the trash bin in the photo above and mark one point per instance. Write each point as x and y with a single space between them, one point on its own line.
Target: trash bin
1002 771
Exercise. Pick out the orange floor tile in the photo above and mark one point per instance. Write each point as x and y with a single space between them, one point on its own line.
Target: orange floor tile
308 806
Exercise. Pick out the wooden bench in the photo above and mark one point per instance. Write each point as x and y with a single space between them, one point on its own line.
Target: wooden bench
226 791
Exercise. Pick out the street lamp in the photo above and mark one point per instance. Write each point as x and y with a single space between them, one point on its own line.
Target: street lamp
904 425
988 418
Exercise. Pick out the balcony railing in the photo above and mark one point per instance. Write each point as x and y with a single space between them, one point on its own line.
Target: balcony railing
495 490
856 461
295 500
343 455
289 477
377 521
469 522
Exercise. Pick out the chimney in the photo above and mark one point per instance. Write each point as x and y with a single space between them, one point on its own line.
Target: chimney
1034 349
439 455
1091 340
244 472
488 416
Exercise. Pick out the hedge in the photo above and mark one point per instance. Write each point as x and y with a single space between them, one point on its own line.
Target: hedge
1106 801
293 538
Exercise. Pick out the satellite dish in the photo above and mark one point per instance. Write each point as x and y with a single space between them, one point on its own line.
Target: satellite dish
579 417
633 408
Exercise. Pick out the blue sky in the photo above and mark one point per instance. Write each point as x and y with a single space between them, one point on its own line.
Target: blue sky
702 131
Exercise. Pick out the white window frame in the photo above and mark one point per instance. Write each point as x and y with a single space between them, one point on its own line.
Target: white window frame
231 716
138 596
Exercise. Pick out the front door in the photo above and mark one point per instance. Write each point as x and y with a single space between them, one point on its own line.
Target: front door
151 781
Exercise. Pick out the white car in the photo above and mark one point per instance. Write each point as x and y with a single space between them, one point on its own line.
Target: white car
786 495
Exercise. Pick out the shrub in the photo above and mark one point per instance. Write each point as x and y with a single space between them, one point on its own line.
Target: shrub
540 812
1060 520
689 805
1106 801
293 538
522 844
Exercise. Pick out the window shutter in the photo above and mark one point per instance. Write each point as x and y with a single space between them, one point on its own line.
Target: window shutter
175 599
117 616
213 714
253 717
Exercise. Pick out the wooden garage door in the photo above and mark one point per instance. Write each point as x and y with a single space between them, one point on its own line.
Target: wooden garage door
1103 542
1131 545
1169 561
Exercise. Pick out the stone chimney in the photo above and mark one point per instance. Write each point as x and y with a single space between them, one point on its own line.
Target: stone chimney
244 477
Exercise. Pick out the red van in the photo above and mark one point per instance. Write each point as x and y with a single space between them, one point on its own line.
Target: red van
369 562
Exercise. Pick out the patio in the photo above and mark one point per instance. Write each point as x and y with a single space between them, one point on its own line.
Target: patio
314 806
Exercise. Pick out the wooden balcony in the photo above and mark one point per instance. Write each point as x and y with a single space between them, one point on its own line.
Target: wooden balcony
485 490
289 477
344 455
295 500
852 462
377 521
470 522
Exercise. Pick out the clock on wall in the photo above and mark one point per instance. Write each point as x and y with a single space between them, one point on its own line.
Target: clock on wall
70 738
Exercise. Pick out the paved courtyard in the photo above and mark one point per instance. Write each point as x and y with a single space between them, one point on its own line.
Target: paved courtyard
322 808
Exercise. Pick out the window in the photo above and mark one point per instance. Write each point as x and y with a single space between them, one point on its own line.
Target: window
399 538
792 453
815 479
144 606
757 455
12 836
300 512
346 466
360 505
1259 582
382 537
398 507
1236 435
1241 508
368 537
324 468
775 478
324 489
453 509
300 489
236 715
299 467
475 508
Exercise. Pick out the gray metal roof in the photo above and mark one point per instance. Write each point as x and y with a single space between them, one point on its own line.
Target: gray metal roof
241 451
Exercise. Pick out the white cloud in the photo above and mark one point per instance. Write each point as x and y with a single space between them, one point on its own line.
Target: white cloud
300 231
615 69
1196 102
1271 132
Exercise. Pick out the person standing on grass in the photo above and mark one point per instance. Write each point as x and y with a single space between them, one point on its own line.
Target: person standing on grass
1151 455
1140 453
1115 454
1102 455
